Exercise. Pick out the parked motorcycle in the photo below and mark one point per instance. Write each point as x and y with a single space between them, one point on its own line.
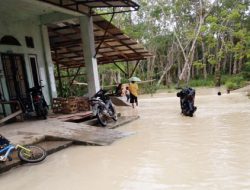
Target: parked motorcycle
102 107
187 96
39 102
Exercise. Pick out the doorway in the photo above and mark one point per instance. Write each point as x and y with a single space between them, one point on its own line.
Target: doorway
16 79
34 70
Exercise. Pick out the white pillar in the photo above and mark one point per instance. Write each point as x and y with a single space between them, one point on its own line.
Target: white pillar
88 41
49 66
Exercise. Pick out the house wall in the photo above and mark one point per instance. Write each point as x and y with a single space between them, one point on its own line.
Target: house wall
31 28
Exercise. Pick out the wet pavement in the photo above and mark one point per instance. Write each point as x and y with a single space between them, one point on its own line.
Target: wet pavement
169 151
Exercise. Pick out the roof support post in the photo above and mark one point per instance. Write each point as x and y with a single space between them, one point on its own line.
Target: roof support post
88 43
99 45
49 67
128 69
59 75
137 63
120 69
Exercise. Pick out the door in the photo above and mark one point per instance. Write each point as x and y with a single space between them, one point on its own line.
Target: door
16 79
34 70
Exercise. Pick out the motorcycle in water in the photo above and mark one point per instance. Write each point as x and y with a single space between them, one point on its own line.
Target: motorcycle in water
39 102
102 107
187 96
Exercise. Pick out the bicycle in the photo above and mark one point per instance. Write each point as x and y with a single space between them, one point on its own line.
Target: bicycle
27 153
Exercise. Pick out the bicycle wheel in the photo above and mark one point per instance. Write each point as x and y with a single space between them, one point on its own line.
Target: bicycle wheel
35 154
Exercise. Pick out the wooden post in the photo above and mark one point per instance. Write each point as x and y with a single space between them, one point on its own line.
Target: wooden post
127 69
137 63
59 75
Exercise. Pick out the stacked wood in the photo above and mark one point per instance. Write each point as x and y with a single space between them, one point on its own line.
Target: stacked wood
57 105
70 105
83 104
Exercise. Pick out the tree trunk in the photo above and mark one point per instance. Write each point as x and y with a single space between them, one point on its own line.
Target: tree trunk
204 62
169 64
235 66
230 64
240 64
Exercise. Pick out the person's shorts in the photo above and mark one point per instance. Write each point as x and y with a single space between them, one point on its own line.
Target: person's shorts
133 99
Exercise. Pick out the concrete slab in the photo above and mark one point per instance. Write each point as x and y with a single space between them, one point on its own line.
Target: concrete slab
30 132
122 120
119 101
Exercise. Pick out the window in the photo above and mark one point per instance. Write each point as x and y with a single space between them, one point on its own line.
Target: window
29 42
9 40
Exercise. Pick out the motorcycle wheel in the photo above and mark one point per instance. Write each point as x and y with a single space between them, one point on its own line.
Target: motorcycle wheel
38 111
114 115
44 112
41 111
101 117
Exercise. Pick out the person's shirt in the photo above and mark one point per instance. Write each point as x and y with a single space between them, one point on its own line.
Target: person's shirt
133 88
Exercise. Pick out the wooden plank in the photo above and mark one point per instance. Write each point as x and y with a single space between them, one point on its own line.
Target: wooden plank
11 116
68 116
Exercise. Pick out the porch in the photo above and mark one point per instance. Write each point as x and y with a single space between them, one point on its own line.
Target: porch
65 34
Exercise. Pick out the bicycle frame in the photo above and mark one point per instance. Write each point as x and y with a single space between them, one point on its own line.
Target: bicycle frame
9 148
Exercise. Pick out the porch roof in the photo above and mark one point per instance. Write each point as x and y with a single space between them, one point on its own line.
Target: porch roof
112 45
88 6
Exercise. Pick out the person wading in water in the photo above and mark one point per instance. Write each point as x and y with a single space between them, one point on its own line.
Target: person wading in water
133 88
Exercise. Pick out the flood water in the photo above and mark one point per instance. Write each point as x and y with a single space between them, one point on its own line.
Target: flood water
210 151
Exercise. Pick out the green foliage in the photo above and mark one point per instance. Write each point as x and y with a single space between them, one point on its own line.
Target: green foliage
212 60
241 34
202 82
234 15
235 82
246 71
212 19
146 88
198 64
231 85
104 68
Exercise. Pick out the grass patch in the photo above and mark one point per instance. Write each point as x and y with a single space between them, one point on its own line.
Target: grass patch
209 82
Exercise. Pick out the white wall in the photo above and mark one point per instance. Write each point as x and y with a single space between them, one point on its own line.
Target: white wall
20 29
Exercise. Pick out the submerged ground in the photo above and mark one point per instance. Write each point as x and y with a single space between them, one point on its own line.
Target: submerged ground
168 151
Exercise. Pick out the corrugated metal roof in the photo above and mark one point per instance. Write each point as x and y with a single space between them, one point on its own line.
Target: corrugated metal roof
111 43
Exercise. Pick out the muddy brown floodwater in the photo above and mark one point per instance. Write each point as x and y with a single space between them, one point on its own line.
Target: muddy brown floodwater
210 151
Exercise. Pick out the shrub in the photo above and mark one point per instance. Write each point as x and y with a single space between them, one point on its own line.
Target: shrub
235 82
231 85
148 88
246 71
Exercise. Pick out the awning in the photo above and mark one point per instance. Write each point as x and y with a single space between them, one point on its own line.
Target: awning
112 45
88 6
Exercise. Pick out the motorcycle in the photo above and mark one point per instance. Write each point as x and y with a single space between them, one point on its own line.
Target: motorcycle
39 102
102 107
187 96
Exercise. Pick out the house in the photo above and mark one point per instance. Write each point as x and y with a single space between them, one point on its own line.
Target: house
38 35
